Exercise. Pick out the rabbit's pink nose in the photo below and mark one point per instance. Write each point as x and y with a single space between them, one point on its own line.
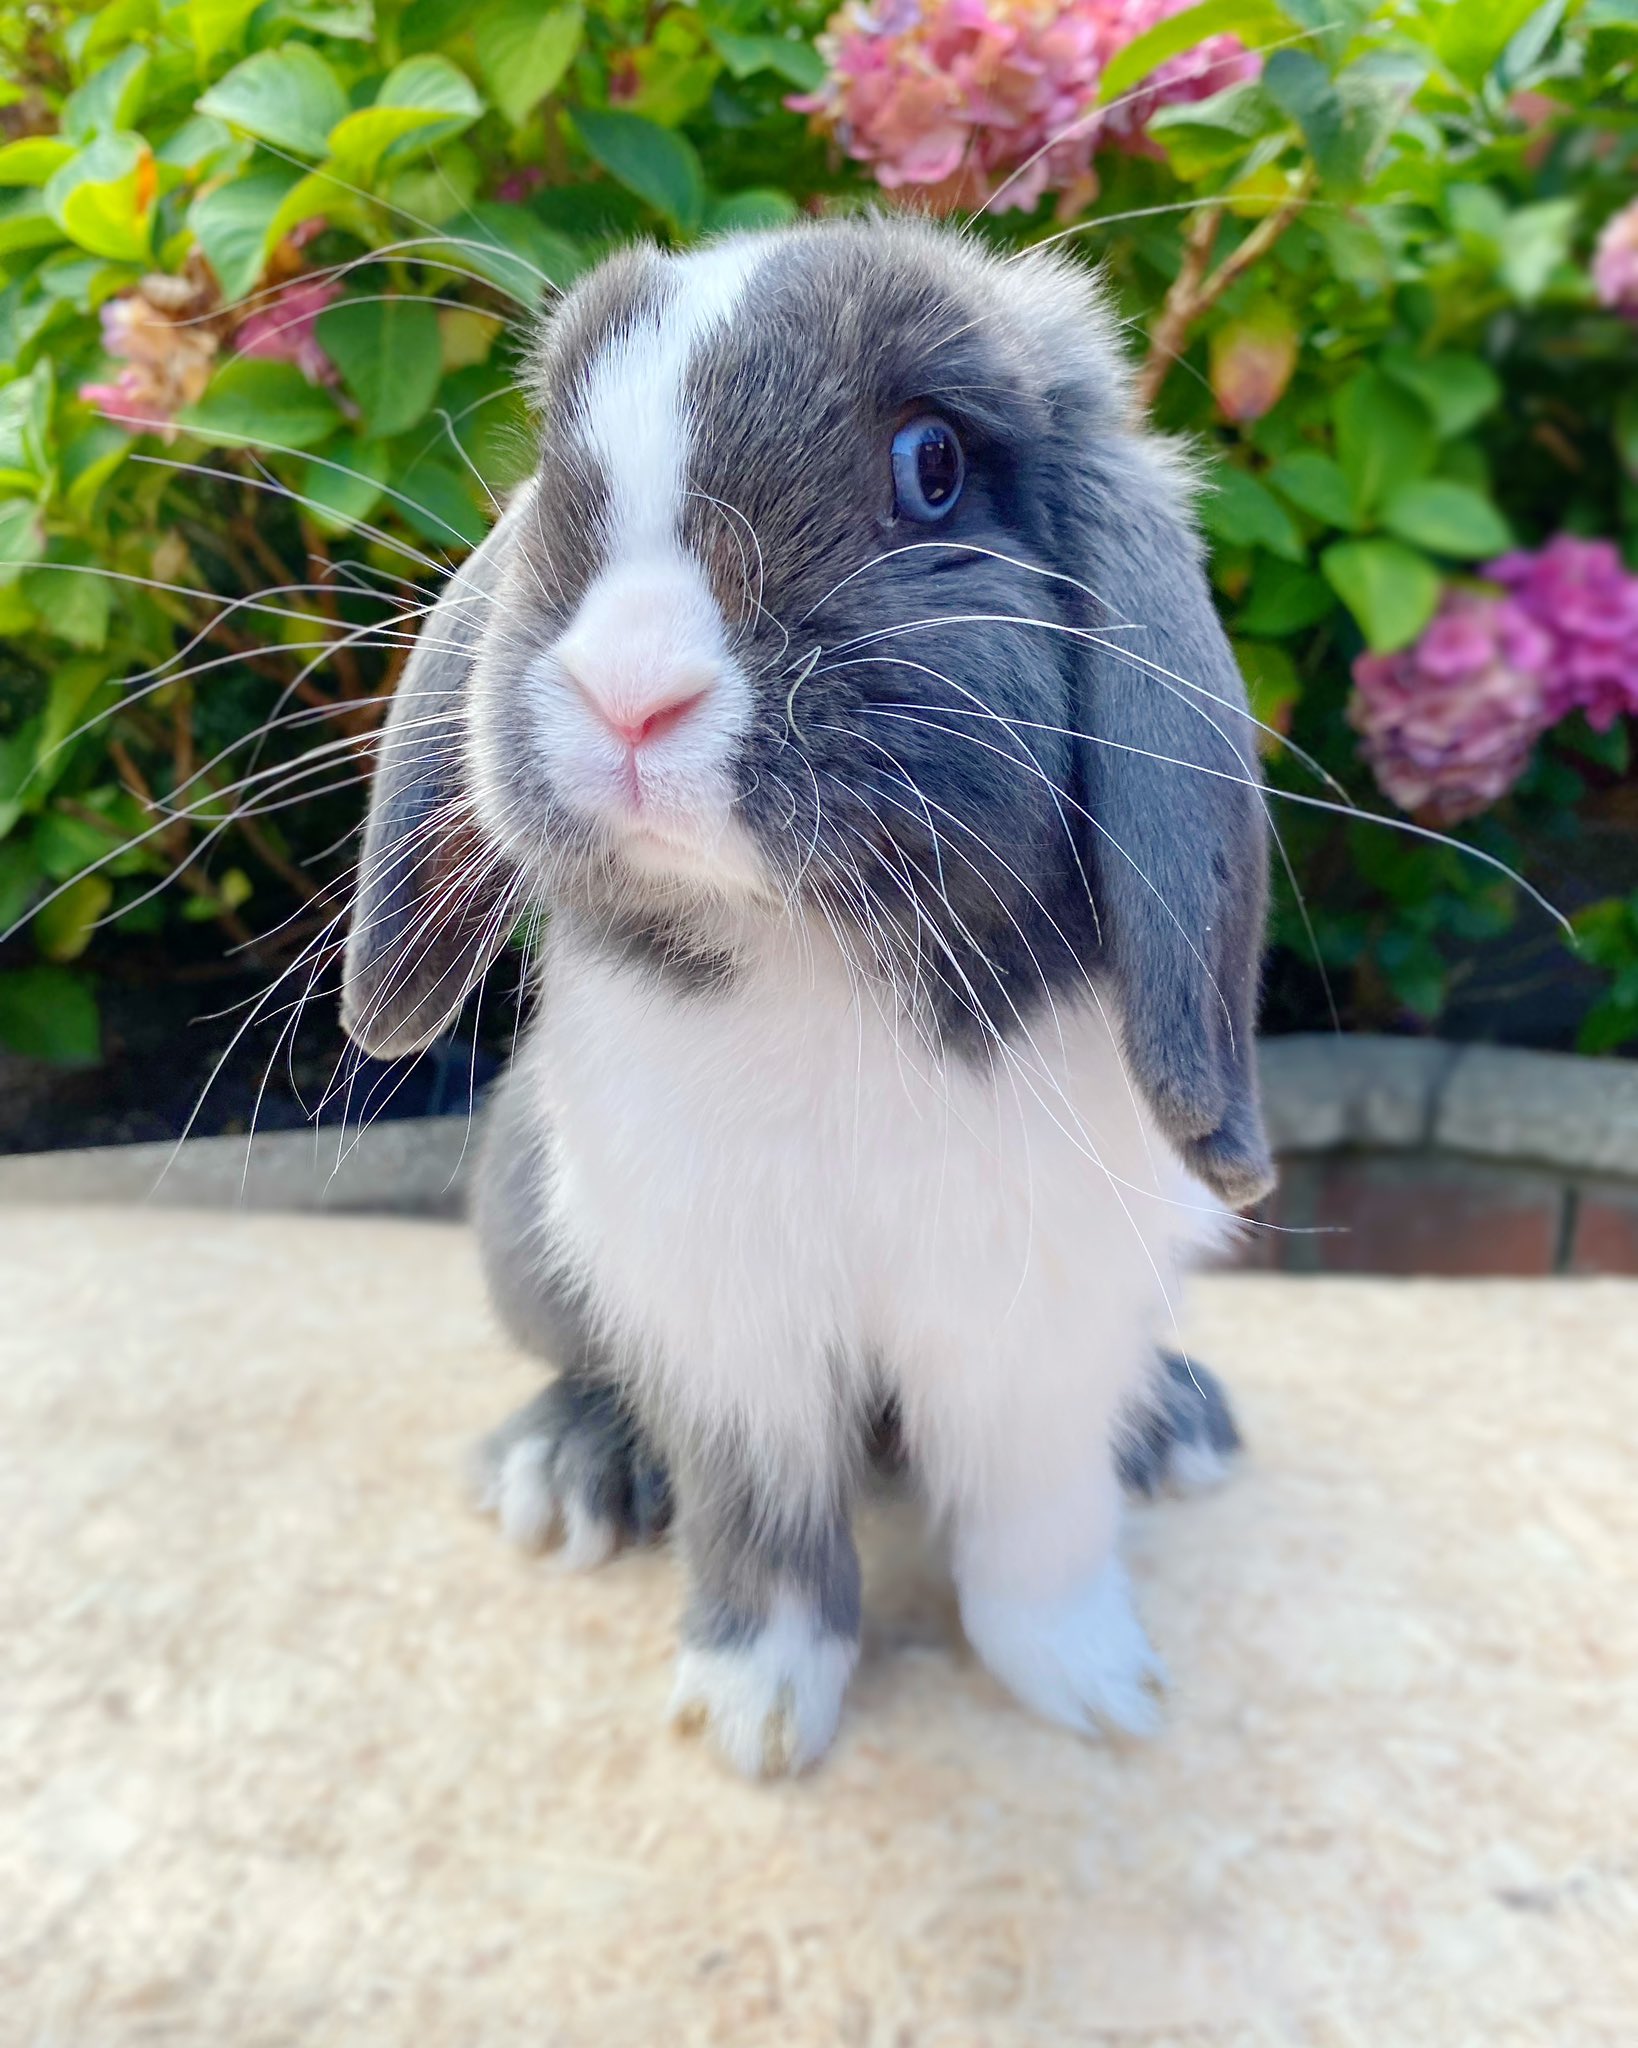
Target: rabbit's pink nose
638 717
639 729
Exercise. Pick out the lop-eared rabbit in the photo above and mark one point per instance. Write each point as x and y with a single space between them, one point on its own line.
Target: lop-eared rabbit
843 699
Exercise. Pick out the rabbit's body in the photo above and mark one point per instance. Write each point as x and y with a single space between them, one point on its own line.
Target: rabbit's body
892 1040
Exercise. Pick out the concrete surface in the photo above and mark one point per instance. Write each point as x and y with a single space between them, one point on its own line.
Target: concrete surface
403 1166
292 1750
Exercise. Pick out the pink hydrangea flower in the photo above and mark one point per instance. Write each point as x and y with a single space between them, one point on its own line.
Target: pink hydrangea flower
168 343
282 329
1615 262
993 100
1581 597
1448 724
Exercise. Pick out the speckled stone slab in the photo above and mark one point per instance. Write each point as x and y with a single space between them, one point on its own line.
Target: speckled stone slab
293 1750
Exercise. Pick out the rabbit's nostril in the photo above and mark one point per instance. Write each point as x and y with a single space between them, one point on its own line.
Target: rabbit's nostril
666 719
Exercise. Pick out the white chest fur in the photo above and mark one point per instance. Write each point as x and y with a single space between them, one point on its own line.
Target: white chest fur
778 1191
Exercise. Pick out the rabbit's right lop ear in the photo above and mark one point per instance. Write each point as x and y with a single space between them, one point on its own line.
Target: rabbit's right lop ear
431 907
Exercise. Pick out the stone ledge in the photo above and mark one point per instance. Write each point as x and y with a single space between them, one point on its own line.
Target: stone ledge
1343 1100
416 1166
1325 1094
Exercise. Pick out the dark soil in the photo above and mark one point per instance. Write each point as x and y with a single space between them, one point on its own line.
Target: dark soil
168 1059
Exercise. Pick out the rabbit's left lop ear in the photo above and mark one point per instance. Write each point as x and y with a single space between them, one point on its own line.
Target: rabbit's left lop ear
1176 839
430 909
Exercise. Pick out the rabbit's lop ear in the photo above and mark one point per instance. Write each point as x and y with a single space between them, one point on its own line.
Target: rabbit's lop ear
1177 831
430 910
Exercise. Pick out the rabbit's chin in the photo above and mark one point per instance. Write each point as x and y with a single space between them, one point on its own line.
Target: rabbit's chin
715 857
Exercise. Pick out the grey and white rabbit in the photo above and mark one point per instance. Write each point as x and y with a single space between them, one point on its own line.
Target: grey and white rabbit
845 689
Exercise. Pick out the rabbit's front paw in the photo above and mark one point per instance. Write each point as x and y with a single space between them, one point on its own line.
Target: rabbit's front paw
572 1466
769 1700
1081 1659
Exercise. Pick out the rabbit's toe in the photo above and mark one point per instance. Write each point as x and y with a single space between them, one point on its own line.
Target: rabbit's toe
770 1702
1082 1660
1185 1440
572 1467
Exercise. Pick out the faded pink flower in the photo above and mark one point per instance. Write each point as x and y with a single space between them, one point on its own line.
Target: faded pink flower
520 185
166 334
1615 262
980 100
1581 596
1251 364
1448 724
282 328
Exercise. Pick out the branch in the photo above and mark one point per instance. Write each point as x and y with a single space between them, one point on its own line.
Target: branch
1194 292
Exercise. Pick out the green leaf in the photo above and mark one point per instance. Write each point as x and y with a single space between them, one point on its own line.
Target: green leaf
659 166
103 198
1304 91
217 26
1391 591
110 99
22 537
49 1014
254 403
523 51
1457 390
1529 45
1285 599
25 223
19 880
289 97
1329 25
234 225
89 460
1447 519
1239 510
1385 438
437 500
1253 21
800 63
514 250
1470 39
761 207
114 24
64 927
1315 485
32 160
1537 241
1414 971
423 101
73 686
25 429
343 482
390 356
1273 686
1208 135
74 604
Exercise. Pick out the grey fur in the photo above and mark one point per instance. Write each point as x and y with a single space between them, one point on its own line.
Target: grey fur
1188 1410
950 740
425 921
744 1554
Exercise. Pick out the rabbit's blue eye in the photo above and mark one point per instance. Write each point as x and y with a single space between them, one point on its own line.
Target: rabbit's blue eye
928 468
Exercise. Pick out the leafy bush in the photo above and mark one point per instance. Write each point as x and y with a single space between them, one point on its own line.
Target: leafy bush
267 268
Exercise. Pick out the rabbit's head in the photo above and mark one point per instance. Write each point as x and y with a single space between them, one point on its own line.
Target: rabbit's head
848 587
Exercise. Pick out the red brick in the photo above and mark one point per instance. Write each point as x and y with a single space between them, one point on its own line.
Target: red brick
1606 1230
1418 1214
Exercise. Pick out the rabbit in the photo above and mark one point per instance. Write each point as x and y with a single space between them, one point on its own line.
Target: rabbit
842 696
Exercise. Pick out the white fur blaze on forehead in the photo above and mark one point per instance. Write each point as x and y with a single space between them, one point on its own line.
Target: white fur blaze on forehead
632 418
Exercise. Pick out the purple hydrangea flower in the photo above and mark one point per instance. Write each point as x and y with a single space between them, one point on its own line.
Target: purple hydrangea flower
1580 595
1448 724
